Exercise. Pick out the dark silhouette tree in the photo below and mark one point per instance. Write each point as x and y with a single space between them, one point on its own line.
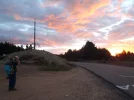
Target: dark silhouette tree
88 52
7 48
68 54
125 56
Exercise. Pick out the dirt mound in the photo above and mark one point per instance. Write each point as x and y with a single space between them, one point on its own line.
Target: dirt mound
46 60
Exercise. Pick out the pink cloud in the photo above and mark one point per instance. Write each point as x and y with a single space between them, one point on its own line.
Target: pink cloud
71 21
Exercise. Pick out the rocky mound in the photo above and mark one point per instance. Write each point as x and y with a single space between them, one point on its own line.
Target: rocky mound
46 60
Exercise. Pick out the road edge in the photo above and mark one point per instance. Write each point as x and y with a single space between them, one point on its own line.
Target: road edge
128 96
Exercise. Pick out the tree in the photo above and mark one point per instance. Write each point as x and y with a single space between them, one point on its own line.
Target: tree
88 52
125 55
68 54
8 48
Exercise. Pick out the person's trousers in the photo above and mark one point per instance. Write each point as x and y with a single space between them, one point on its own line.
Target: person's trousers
12 80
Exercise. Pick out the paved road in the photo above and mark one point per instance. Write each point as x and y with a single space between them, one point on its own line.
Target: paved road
121 77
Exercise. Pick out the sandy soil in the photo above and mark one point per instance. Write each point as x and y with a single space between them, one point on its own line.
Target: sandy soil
76 84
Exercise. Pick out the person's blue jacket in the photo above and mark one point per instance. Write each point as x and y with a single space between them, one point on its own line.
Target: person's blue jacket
8 67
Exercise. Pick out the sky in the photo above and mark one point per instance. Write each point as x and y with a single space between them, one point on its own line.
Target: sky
68 24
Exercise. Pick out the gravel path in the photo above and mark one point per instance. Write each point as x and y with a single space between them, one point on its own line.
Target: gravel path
76 84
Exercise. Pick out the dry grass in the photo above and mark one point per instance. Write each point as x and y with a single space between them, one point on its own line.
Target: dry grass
46 60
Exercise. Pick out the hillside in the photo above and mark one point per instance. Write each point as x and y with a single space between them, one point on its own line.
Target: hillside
46 60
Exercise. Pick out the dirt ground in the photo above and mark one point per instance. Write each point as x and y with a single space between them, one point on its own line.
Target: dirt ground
76 84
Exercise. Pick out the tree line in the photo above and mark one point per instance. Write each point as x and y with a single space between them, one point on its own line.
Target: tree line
88 52
7 48
125 56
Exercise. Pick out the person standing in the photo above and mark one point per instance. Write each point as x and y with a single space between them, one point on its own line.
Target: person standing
8 67
12 76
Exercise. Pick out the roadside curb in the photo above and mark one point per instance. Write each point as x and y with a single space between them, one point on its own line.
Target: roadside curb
128 96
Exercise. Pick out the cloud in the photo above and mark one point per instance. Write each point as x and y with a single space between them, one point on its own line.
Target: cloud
123 31
63 23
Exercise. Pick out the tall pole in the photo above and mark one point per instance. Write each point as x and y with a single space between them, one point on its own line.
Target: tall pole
34 33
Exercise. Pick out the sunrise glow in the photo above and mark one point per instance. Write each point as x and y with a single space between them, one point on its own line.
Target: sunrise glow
68 24
115 51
